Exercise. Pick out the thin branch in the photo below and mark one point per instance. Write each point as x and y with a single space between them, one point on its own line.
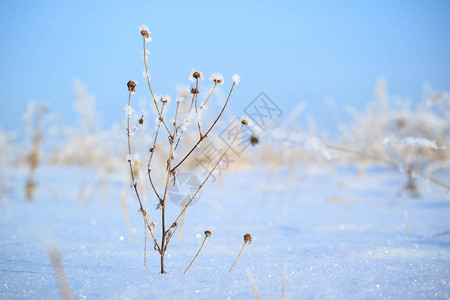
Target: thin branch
405 214
206 134
163 212
151 91
196 110
144 213
207 177
237 257
212 91
152 151
196 255
252 282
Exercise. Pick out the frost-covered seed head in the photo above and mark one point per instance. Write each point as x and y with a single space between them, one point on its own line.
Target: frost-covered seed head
179 99
165 99
195 75
247 238
216 77
236 78
207 233
143 29
131 86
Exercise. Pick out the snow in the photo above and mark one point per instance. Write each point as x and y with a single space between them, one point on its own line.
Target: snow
236 78
338 234
419 142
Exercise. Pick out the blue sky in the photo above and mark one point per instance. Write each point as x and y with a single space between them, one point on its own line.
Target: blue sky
292 50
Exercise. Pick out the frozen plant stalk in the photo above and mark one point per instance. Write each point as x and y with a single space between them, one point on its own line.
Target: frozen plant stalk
247 238
207 234
174 130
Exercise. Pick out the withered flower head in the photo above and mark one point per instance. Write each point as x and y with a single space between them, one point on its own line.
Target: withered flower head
254 140
196 75
144 31
247 238
207 233
131 86
194 91
244 122
141 121
216 77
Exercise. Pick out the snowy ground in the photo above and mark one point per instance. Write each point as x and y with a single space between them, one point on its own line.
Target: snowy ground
334 231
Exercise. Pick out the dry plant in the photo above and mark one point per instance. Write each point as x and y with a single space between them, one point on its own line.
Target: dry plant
405 214
207 235
174 130
60 273
252 282
34 119
283 284
247 239
125 212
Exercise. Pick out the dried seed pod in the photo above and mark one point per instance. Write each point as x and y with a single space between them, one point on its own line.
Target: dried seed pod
207 233
247 238
244 122
131 86
254 140
196 75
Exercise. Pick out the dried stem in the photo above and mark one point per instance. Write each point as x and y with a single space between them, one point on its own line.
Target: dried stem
152 151
204 240
207 132
60 273
210 94
283 285
144 213
405 214
245 242
207 177
163 212
125 213
196 111
180 233
151 91
252 282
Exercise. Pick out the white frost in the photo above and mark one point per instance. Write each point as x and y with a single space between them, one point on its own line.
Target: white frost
236 78
419 142
128 110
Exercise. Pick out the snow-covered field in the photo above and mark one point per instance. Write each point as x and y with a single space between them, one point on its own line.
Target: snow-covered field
336 232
